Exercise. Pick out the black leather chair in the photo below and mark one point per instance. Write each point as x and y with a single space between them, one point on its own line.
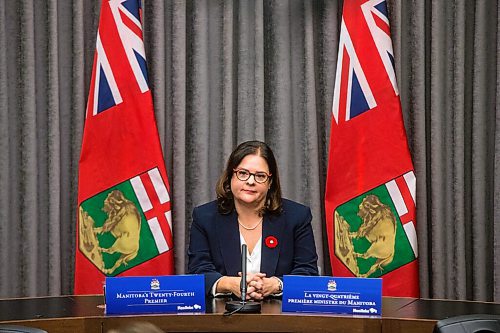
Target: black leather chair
19 329
476 323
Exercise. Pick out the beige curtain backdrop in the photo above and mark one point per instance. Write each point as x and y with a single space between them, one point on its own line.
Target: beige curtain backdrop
227 71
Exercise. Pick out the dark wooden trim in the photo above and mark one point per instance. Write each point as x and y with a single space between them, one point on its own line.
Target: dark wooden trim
78 314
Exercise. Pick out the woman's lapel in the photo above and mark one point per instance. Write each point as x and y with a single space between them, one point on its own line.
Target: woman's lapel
228 236
272 231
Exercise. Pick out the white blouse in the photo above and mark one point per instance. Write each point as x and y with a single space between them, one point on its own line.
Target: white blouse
253 260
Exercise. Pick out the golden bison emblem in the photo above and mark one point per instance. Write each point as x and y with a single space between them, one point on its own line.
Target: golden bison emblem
123 222
378 228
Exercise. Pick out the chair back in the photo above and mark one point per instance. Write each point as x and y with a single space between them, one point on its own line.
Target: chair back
19 329
476 323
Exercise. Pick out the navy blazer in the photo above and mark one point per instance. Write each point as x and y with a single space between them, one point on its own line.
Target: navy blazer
215 249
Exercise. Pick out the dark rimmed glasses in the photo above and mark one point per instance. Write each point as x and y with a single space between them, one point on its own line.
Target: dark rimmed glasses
243 175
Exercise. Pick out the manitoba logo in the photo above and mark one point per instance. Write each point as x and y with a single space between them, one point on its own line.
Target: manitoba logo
127 224
375 232
332 285
155 284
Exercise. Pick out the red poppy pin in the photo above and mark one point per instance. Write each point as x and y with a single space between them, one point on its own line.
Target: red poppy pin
271 242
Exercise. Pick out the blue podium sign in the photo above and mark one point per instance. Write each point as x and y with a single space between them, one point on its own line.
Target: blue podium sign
155 294
359 296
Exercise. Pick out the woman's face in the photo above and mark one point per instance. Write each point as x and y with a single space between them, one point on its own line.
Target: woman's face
249 192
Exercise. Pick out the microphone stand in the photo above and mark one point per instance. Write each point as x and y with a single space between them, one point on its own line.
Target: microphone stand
242 306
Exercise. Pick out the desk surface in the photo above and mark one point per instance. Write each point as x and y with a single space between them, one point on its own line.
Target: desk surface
86 314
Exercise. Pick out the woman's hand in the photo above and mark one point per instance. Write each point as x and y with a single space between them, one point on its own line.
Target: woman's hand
270 286
254 286
260 286
229 284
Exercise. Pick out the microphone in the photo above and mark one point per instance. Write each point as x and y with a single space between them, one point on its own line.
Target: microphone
243 306
243 282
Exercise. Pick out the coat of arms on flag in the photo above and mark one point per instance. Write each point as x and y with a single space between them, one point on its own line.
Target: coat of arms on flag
119 227
374 232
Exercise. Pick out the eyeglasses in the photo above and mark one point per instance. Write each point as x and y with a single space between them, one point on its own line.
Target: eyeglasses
243 175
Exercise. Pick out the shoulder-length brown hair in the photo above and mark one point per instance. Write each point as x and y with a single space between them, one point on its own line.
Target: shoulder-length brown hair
225 200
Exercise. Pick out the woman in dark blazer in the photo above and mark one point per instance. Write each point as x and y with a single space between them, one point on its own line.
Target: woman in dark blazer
249 209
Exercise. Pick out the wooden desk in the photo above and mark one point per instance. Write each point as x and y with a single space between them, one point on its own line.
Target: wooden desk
86 314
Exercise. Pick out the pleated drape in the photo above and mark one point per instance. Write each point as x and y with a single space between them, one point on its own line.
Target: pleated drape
223 72
448 79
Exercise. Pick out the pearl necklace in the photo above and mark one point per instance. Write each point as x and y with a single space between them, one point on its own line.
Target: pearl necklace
252 228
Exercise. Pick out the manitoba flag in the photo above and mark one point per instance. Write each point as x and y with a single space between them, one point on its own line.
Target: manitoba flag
124 208
370 192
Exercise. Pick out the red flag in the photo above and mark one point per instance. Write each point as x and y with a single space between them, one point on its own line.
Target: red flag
124 209
370 192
